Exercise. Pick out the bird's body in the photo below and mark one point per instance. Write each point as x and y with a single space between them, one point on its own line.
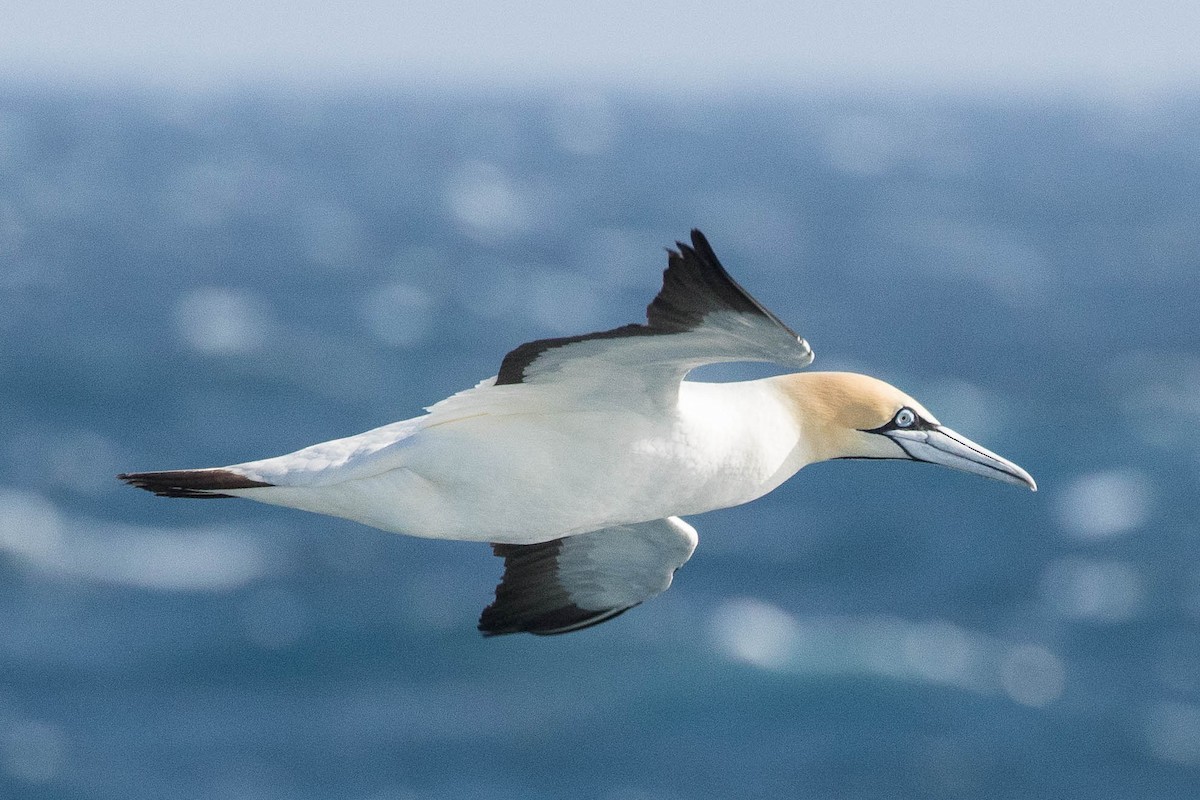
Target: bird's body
577 460
534 468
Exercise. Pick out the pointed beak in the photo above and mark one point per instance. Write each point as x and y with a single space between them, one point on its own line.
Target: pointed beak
939 445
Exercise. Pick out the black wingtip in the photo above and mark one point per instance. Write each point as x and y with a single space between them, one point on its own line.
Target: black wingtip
568 619
696 284
700 245
529 598
193 483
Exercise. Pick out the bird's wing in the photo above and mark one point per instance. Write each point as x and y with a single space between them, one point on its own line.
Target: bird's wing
573 583
701 316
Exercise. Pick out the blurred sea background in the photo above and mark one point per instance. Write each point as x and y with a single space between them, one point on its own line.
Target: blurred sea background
211 254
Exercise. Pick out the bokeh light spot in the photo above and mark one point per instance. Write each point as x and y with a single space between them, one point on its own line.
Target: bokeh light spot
33 751
756 633
222 321
486 201
1032 675
1100 591
940 652
1101 505
1173 732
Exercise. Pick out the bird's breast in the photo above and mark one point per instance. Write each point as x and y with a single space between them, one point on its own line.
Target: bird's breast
738 441
532 477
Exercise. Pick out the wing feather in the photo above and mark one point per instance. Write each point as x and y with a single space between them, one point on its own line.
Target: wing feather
700 316
575 582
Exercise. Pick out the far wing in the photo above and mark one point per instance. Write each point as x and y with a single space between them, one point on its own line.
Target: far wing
573 583
701 316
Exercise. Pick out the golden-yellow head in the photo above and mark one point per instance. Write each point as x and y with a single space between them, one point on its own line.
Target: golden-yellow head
846 415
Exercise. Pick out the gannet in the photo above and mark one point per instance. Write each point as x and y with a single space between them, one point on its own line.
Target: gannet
579 458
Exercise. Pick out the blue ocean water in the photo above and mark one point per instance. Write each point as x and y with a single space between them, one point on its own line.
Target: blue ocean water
203 279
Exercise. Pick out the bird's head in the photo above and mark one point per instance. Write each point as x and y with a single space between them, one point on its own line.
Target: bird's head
845 415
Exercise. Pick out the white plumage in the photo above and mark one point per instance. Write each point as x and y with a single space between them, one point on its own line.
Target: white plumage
578 458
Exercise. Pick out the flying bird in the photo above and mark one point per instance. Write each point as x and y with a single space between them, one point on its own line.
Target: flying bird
579 458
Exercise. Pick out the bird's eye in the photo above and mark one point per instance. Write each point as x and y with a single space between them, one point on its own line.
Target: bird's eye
905 418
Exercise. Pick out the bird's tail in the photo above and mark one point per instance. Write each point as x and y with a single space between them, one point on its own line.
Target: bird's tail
191 482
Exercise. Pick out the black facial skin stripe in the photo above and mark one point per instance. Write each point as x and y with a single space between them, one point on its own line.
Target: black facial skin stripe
918 424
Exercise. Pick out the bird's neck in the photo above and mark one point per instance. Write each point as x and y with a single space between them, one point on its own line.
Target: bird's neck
818 403
749 427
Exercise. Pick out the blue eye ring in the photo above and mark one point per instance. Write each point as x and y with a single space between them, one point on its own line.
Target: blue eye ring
905 418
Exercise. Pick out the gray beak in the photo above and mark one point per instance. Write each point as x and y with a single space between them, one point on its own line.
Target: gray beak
939 445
